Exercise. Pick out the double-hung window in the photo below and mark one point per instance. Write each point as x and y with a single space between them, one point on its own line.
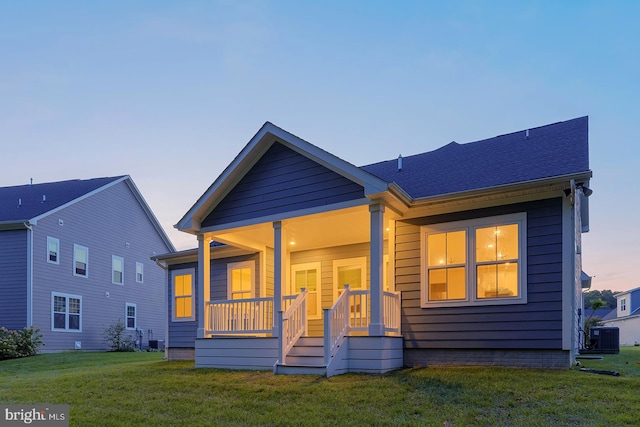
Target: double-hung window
53 250
474 262
80 261
623 304
66 312
183 295
130 314
139 272
117 270
240 276
307 276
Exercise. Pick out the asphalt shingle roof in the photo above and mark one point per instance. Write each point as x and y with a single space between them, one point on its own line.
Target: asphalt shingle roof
24 202
542 152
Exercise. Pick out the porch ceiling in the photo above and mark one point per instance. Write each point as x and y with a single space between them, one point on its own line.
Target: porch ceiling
322 230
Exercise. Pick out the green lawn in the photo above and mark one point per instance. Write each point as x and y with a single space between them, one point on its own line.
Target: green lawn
126 389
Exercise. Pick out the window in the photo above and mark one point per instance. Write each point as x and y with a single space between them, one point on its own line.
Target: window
308 276
130 315
475 262
139 272
349 271
53 250
240 277
66 312
80 261
623 304
183 298
117 270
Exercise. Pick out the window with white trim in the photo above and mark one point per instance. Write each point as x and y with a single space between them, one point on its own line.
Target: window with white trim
66 312
474 262
130 316
623 304
117 270
80 261
241 279
183 297
139 272
308 276
53 250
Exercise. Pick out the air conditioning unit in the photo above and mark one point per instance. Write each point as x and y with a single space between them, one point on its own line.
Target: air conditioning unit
604 339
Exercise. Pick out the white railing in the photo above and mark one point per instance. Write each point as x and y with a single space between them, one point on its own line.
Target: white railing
245 316
391 312
293 324
336 324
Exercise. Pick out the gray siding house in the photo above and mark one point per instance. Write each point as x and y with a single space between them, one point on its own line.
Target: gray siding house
76 257
469 254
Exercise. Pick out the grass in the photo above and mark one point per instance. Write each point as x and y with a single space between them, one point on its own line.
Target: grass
118 389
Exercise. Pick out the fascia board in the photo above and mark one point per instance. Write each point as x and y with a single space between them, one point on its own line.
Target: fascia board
15 225
149 213
520 186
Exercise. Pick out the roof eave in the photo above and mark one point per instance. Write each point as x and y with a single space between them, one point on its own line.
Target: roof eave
545 184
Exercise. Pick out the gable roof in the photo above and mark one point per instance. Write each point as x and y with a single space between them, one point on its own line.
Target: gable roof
538 155
554 150
253 151
26 204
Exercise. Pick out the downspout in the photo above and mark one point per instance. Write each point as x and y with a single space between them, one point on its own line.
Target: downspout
29 228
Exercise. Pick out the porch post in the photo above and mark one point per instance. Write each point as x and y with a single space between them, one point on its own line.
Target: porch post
278 274
376 323
204 282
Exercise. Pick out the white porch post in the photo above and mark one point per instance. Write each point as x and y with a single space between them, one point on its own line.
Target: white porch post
278 274
376 324
204 282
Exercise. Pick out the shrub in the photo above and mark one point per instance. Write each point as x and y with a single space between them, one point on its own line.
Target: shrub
116 338
24 343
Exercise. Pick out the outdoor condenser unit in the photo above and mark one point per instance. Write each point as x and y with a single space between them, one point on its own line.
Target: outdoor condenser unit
605 339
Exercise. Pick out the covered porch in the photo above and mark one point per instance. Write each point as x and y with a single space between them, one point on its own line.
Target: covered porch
321 299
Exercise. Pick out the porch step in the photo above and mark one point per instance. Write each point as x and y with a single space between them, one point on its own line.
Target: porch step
306 357
308 351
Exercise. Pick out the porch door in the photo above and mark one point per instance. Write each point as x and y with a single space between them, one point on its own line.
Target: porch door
352 272
308 276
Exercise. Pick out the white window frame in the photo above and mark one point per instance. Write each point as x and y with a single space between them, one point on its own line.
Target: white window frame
115 258
344 262
470 227
76 248
241 265
306 267
623 304
55 241
140 272
66 320
183 272
135 316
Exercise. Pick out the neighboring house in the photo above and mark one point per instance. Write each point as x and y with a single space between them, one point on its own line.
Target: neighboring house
627 318
75 257
469 254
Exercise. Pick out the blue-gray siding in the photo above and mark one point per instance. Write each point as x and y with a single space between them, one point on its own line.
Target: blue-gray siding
634 302
13 279
110 222
535 325
183 334
282 181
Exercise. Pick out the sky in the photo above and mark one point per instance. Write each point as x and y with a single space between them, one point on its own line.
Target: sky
169 92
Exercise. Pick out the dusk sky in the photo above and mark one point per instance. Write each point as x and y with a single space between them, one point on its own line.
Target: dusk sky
169 92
